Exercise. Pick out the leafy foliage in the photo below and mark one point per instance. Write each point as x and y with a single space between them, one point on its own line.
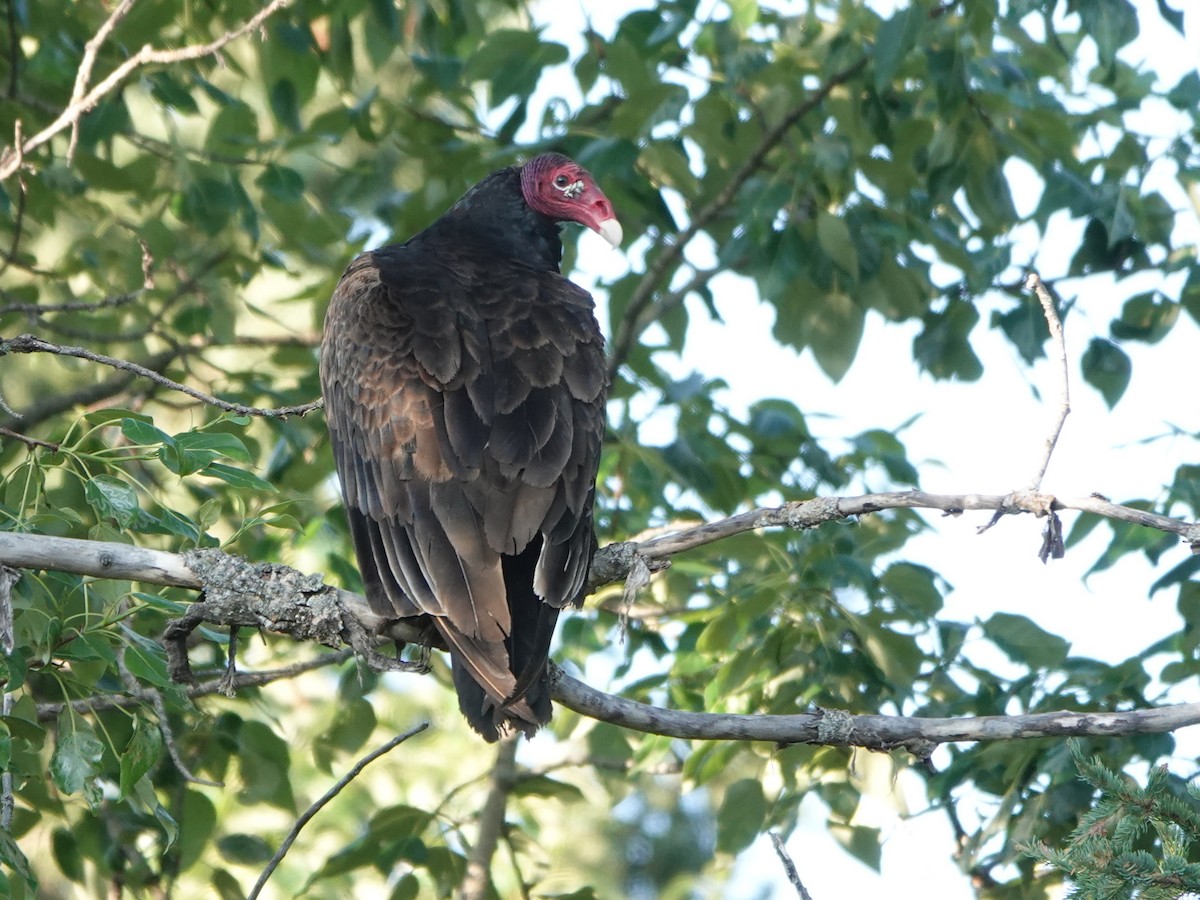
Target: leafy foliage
850 166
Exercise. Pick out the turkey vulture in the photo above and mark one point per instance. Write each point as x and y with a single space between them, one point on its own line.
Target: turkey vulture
464 381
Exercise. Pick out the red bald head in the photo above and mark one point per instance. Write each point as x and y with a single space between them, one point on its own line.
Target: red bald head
560 188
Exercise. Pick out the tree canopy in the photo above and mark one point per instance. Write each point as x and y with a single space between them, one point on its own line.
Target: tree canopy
180 190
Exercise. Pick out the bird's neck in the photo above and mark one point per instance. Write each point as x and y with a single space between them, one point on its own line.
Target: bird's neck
493 216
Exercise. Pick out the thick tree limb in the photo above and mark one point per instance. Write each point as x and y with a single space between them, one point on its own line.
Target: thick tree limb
612 563
332 615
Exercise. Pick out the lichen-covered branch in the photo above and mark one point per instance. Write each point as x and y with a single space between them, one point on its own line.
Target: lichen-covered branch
275 597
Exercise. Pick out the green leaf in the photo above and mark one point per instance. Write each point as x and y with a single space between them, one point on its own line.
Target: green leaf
1026 642
914 588
113 498
895 38
285 104
265 762
513 61
143 433
217 442
67 854
76 759
238 478
282 183
141 753
196 826
1107 369
544 786
1172 16
226 886
208 204
148 663
897 656
245 849
835 329
351 729
1189 297
1110 23
741 816
1147 317
1025 326
1180 574
943 349
860 842
14 859
834 237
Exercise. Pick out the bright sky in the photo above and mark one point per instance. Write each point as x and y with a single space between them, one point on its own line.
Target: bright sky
984 437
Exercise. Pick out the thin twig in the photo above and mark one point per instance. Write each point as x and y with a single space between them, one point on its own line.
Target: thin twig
6 784
14 50
37 309
28 343
84 73
13 158
96 703
29 441
18 226
164 723
1034 283
491 822
8 578
87 395
628 330
307 815
789 867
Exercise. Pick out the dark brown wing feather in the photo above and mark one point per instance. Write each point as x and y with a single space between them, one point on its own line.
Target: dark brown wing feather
465 406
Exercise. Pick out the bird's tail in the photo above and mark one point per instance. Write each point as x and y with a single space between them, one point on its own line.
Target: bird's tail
504 685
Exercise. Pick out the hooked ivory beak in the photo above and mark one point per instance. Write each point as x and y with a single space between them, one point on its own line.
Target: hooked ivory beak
610 230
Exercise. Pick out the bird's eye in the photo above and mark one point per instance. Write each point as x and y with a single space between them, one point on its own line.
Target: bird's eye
561 181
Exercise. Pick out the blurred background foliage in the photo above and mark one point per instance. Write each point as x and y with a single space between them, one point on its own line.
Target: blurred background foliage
853 162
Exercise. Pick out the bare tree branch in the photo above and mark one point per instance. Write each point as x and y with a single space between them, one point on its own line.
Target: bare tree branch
37 309
28 441
85 396
838 728
13 157
633 322
789 867
1034 283
307 815
28 343
491 822
49 711
84 73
